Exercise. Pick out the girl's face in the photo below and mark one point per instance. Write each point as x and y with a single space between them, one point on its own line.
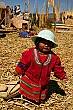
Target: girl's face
45 46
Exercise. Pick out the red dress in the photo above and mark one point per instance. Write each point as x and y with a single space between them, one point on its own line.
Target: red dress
35 69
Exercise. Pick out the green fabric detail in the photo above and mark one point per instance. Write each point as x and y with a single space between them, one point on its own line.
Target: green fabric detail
26 84
36 92
43 95
15 72
26 91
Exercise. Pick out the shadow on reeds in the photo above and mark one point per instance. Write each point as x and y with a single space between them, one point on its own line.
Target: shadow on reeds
53 87
2 35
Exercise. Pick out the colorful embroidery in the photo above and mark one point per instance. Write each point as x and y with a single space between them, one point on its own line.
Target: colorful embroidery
38 61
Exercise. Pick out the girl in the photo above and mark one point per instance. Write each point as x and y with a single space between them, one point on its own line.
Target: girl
36 65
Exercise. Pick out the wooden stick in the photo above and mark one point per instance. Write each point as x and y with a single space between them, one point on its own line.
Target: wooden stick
25 100
18 104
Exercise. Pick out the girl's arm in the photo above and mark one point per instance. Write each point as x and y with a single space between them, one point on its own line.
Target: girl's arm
59 70
24 63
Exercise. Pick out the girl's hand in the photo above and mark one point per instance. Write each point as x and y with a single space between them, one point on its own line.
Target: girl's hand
15 73
65 79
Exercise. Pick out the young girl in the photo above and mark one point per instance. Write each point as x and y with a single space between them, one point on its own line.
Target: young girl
36 65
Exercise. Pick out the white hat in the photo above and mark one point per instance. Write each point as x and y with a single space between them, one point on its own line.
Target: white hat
46 34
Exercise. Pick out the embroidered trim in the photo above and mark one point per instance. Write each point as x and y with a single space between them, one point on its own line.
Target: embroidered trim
48 60
38 61
36 57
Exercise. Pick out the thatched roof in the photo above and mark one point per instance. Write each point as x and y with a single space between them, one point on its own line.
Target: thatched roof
2 5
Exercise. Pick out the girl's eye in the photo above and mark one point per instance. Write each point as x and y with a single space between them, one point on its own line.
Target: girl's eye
46 43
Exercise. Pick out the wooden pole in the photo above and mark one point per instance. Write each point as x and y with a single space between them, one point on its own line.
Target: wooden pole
5 17
54 16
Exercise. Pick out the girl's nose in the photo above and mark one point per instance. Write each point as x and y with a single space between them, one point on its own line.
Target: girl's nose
46 45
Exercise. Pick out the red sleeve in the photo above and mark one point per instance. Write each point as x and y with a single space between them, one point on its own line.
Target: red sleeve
19 70
24 63
59 70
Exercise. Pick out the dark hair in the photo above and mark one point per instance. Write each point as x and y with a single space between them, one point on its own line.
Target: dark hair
25 25
38 40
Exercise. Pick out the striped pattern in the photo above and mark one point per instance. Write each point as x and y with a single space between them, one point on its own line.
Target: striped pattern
31 90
